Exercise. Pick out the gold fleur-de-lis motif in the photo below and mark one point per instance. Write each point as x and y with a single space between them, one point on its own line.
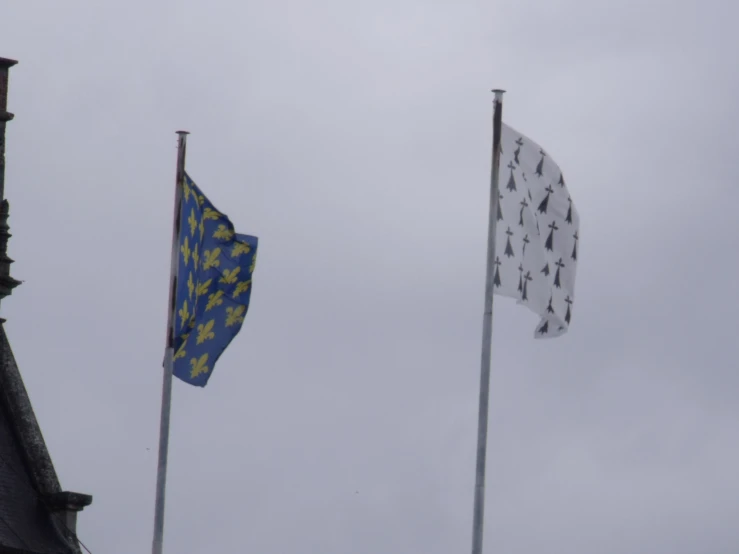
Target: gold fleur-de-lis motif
184 314
241 288
190 285
253 263
195 256
211 258
186 190
181 350
223 233
205 331
193 221
215 299
210 213
185 249
201 200
235 315
239 249
203 287
230 276
199 365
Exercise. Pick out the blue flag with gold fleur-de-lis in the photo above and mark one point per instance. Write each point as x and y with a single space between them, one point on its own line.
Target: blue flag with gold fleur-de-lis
213 286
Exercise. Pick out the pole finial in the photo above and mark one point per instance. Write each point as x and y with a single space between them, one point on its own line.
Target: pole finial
498 94
183 132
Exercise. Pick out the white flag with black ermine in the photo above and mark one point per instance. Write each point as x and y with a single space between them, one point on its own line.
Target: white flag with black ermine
537 234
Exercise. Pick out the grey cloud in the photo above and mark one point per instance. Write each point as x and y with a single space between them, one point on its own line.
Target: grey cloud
354 141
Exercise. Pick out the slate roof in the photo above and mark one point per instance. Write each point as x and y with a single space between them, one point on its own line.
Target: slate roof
26 523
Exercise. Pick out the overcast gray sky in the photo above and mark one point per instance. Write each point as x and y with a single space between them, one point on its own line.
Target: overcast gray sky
353 138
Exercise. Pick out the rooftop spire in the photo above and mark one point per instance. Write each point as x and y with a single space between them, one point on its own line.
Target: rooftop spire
7 283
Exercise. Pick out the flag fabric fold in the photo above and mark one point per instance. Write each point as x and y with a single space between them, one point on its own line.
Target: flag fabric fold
213 286
537 234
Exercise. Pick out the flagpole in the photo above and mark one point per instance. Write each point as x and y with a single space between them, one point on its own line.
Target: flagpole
487 333
169 353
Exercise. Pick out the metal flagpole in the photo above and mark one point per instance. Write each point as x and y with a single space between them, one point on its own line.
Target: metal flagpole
487 334
169 353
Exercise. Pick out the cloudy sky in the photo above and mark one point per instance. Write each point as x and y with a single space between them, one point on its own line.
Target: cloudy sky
354 139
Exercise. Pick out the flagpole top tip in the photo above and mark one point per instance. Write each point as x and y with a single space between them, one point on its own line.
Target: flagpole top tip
498 93
183 132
